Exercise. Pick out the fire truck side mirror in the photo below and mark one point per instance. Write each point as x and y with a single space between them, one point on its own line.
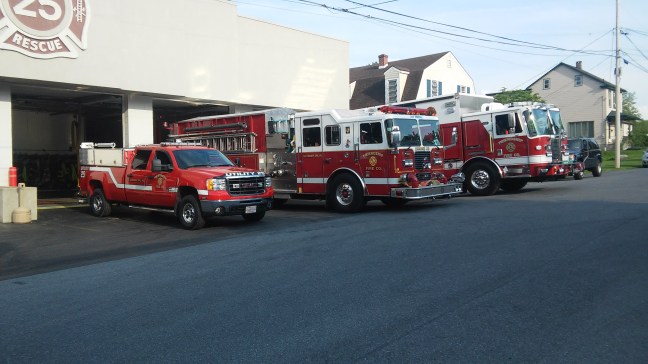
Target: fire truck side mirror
237 161
395 136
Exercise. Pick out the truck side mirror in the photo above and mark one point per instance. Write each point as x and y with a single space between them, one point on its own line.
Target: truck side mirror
511 121
157 165
237 161
395 136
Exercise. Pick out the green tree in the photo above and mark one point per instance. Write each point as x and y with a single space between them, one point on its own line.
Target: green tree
506 97
630 105
639 134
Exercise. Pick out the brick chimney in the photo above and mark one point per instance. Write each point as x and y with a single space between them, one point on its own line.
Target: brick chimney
383 61
579 65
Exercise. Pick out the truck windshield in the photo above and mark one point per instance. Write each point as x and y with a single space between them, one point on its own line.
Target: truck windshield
412 129
557 120
540 123
188 158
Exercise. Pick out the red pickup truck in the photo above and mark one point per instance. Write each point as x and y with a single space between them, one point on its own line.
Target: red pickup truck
191 181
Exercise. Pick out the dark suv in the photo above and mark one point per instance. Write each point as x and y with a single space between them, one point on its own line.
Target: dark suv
587 150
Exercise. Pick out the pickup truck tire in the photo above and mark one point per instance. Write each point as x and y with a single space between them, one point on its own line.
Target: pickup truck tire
257 216
99 206
189 213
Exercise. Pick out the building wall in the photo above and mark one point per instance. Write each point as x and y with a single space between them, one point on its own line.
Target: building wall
197 49
589 102
450 76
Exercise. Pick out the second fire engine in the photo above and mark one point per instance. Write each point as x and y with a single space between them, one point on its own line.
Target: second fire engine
344 157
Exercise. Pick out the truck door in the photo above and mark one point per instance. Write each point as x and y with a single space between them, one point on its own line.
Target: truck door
164 184
137 178
510 148
310 177
374 160
338 148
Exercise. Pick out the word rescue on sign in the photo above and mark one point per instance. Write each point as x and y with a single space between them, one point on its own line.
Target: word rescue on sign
44 28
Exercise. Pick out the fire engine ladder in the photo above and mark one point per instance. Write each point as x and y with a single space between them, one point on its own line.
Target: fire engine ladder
227 143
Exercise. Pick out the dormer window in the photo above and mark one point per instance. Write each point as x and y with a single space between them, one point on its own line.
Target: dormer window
392 91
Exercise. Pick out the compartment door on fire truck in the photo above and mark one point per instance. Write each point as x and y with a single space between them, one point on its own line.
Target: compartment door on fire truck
374 157
509 147
310 178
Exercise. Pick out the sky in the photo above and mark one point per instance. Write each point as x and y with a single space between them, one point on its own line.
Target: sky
501 44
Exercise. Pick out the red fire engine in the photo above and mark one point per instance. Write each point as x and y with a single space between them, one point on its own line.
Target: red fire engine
502 146
344 157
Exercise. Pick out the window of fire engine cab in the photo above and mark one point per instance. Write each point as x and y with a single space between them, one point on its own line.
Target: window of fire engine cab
332 133
311 134
140 161
371 133
165 160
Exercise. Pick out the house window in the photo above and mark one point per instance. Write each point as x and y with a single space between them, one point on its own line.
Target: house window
392 91
467 90
583 129
458 88
433 88
546 83
578 80
429 88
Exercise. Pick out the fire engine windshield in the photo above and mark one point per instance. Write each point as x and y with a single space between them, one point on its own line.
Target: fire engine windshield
189 158
556 119
415 132
539 122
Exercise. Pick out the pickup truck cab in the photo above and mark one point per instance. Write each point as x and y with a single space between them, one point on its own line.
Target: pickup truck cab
194 182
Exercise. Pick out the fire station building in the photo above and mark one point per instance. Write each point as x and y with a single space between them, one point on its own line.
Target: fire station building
120 71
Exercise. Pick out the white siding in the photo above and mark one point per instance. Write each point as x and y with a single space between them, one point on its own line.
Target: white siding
451 77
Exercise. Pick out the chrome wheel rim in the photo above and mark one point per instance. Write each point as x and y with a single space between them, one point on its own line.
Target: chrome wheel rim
480 179
344 194
188 213
97 203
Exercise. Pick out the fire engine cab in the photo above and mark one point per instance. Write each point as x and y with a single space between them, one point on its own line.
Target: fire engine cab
344 157
502 146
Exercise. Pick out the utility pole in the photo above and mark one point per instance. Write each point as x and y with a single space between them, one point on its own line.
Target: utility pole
617 95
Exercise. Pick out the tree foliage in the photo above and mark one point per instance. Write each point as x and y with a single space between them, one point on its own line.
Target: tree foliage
639 134
506 97
630 105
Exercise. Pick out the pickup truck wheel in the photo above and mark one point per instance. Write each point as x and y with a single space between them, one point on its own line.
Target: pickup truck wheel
189 213
345 194
579 175
597 171
482 179
99 206
257 216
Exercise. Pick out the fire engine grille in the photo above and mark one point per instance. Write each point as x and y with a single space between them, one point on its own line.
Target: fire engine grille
420 158
556 150
246 185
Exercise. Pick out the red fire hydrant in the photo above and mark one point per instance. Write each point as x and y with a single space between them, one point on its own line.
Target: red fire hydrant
13 177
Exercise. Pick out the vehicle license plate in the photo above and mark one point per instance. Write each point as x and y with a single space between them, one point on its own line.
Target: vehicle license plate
250 209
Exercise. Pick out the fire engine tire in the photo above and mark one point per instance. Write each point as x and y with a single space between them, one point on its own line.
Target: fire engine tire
257 216
513 184
482 179
597 171
345 194
99 206
579 175
189 213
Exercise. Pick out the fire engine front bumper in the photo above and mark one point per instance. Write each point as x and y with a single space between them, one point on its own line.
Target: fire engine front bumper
431 191
235 207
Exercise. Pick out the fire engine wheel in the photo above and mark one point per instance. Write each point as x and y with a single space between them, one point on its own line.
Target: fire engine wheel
345 194
482 179
513 184
257 216
189 213
99 206
597 171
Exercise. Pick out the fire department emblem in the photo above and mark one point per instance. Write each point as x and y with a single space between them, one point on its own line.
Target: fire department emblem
510 147
160 182
373 161
44 28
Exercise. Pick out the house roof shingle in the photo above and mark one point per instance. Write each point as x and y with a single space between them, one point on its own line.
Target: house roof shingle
370 80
